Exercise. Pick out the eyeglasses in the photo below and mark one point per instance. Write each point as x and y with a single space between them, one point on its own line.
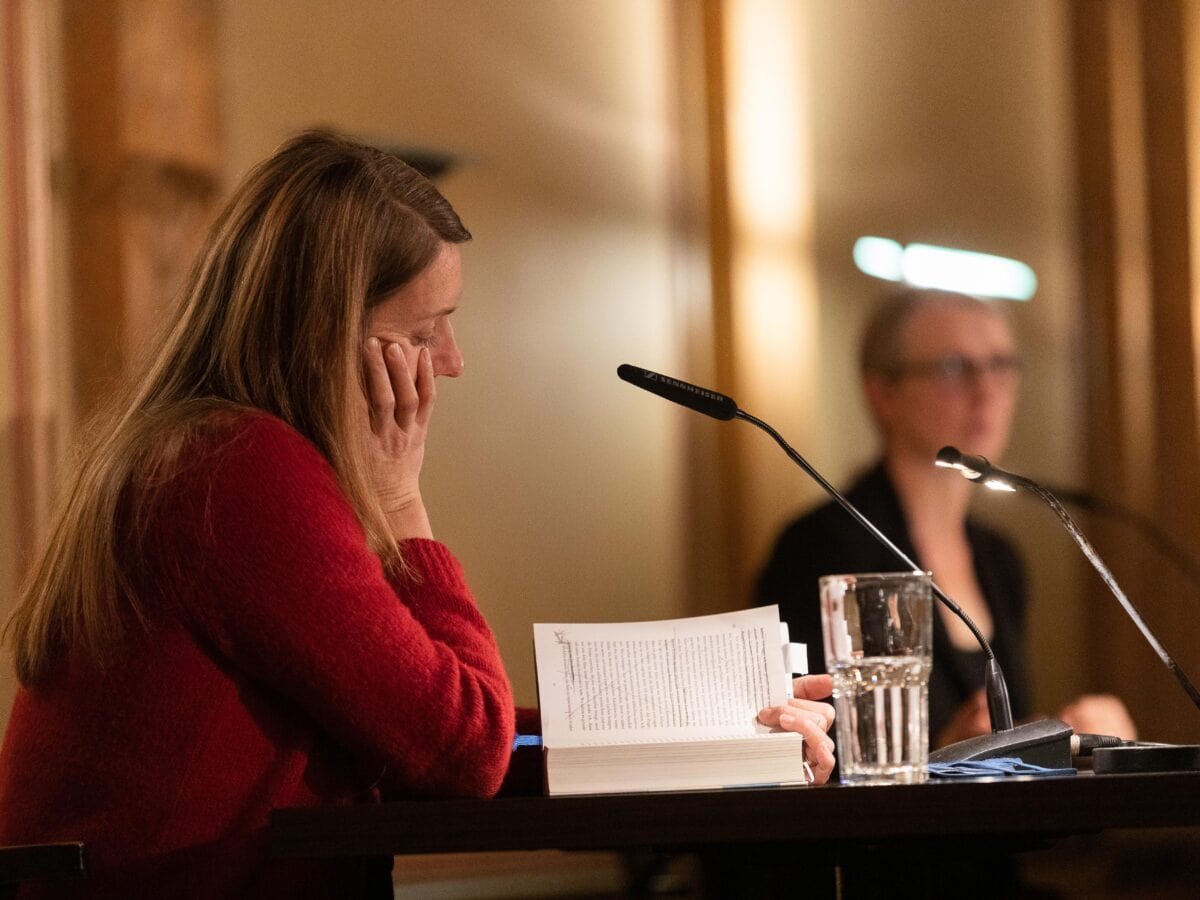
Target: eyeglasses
956 369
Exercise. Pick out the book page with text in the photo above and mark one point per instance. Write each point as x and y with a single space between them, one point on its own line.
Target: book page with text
703 677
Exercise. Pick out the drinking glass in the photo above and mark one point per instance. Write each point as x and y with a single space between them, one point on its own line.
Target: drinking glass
878 632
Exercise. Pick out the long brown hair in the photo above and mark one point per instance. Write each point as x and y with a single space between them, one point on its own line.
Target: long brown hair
272 318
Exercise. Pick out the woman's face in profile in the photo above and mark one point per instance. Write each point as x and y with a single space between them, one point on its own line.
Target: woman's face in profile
418 314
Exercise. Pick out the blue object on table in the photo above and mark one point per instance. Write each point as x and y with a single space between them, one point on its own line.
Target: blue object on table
980 768
527 740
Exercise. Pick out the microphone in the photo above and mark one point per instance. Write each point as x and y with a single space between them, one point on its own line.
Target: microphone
1045 742
980 471
700 399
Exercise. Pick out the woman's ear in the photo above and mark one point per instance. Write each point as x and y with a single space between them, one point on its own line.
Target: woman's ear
880 395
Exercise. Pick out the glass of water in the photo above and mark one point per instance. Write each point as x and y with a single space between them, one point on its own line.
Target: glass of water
878 631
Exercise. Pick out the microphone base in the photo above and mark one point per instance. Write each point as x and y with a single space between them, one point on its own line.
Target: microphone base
1146 758
1046 742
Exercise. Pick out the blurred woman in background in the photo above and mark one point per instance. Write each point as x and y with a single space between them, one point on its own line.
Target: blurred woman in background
938 369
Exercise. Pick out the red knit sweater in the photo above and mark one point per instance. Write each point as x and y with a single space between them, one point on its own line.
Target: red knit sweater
281 668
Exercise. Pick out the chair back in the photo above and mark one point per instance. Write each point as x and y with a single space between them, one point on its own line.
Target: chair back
37 862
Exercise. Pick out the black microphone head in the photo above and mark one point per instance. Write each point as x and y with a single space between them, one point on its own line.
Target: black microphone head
700 399
973 468
948 457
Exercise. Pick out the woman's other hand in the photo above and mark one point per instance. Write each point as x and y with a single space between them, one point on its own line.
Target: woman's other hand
970 720
807 714
1099 714
399 406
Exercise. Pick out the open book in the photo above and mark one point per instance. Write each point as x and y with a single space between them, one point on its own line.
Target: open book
669 705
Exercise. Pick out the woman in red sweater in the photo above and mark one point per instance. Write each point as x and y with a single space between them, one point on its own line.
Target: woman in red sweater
241 605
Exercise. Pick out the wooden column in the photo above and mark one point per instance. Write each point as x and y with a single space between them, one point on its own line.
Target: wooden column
143 163
28 425
134 181
1131 105
24 202
762 264
717 477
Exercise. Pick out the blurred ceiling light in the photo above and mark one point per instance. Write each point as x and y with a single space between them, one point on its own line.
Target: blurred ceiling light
879 257
768 140
946 269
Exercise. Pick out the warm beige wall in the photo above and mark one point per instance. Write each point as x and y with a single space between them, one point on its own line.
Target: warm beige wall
554 482
8 449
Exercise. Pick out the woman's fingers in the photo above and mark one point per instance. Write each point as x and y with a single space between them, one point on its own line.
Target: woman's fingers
426 387
381 400
822 761
403 388
820 715
394 392
823 711
812 687
812 720
818 746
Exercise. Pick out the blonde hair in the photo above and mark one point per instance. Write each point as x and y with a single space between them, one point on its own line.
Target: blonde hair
881 349
272 318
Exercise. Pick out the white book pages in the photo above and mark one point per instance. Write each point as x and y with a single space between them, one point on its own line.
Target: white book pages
699 678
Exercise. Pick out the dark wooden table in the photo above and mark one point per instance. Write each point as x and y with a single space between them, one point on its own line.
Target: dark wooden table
1009 812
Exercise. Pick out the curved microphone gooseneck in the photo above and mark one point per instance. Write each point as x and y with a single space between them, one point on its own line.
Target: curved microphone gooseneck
999 707
1045 742
1144 526
978 470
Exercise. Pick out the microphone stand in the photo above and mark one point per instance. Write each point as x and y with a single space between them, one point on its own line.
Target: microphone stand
1045 742
1142 525
1132 757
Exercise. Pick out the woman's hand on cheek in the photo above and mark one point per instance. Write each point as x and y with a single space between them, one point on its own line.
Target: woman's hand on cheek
399 406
